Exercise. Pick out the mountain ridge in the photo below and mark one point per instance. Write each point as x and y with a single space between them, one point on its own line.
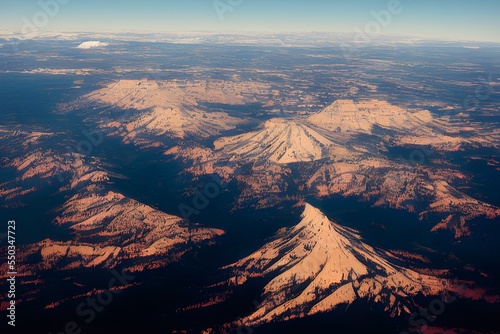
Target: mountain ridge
318 265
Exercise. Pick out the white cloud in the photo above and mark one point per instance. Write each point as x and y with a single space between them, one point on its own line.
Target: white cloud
91 45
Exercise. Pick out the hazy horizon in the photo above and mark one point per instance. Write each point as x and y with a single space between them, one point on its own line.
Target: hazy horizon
450 20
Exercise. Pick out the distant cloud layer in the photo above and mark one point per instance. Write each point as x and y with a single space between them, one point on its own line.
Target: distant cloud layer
91 44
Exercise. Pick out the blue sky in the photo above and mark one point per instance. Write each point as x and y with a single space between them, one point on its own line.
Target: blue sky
451 19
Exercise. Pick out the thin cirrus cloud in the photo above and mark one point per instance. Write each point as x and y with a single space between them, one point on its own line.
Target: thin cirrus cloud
452 19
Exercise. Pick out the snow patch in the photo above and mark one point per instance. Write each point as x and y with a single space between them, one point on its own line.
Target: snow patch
91 45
